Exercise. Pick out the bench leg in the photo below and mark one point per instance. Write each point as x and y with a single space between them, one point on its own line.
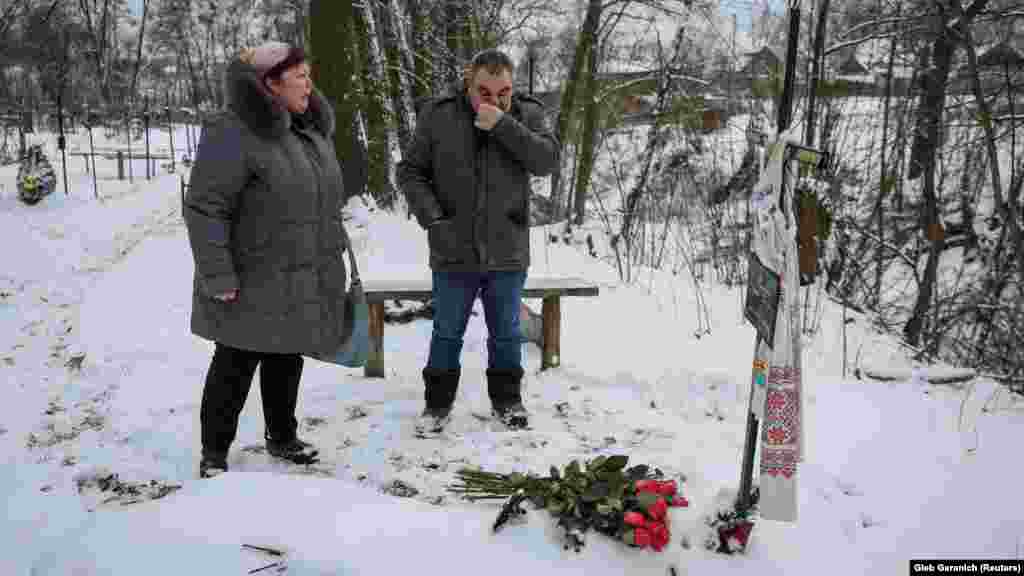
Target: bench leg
375 361
552 328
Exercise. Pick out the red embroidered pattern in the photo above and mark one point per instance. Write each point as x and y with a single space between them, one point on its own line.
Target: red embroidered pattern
782 409
776 401
783 376
776 461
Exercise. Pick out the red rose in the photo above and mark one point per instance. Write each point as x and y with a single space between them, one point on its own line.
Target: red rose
667 488
635 519
642 537
647 486
660 536
658 509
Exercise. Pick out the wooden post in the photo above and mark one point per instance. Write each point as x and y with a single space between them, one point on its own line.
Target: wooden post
128 132
120 165
61 140
552 319
92 156
375 362
170 129
145 126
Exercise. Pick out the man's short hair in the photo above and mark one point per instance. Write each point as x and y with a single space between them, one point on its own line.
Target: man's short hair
494 61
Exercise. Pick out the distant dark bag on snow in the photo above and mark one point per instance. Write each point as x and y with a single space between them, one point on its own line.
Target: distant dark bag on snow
356 330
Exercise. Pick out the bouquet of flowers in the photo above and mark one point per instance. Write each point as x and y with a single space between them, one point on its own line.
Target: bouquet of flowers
629 504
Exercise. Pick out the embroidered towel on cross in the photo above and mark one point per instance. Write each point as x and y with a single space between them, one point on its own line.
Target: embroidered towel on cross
776 373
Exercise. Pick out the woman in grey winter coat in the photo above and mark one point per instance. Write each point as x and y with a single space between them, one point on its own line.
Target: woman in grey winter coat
264 220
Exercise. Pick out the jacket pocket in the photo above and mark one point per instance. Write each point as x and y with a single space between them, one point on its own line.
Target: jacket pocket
443 242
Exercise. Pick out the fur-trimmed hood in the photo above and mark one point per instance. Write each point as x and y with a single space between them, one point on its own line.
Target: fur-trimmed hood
249 99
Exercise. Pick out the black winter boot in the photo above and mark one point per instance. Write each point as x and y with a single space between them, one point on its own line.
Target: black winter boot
294 450
504 387
213 464
439 388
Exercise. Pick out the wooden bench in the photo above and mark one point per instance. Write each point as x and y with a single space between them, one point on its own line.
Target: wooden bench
550 290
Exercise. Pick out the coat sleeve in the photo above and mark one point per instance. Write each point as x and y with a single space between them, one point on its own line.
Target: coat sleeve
416 172
217 179
530 139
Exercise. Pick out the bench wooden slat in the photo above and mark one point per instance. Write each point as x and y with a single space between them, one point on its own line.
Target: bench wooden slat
550 289
420 289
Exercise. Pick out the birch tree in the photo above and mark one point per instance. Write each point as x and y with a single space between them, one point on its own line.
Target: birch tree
568 106
400 65
382 151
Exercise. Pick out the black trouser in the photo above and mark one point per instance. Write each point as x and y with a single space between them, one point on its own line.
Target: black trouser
227 386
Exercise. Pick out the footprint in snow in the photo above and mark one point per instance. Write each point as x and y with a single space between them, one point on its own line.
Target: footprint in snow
313 422
355 413
867 521
848 488
400 489
100 487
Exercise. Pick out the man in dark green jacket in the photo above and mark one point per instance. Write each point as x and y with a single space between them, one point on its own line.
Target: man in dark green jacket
466 175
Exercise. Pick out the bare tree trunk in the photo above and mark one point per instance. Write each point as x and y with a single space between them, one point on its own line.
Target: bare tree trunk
456 38
587 143
394 21
98 35
138 48
923 161
818 68
912 331
886 182
567 107
1008 205
383 176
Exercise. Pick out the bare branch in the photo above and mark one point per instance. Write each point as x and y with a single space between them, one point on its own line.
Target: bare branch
878 23
850 43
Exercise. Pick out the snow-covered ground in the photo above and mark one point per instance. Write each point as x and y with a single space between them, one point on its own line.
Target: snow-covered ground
894 470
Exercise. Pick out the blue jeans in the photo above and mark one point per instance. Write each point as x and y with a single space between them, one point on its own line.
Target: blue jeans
454 294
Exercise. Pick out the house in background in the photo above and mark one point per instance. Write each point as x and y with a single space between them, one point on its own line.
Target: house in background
851 66
848 69
1001 71
762 64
